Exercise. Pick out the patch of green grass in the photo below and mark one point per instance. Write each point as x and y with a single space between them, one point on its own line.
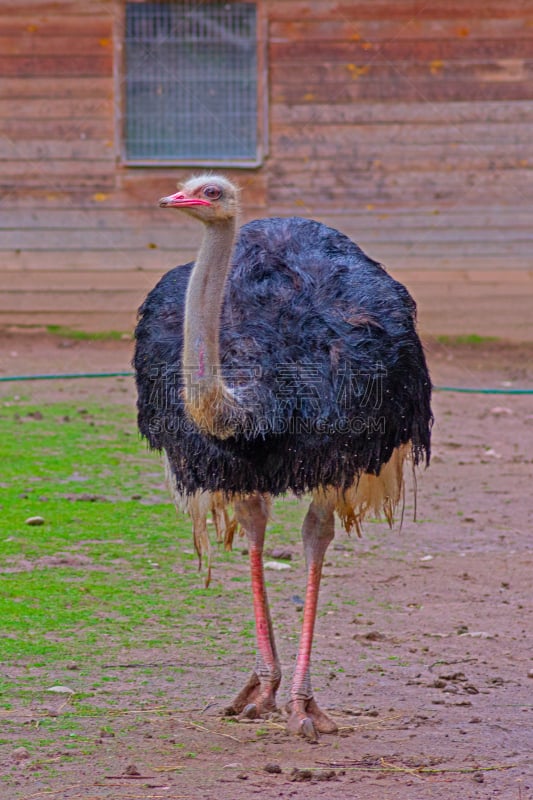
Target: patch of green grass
465 338
100 574
72 333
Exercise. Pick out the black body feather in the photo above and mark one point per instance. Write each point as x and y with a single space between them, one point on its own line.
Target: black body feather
318 343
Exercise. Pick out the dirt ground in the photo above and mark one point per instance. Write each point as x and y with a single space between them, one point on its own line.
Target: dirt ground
432 687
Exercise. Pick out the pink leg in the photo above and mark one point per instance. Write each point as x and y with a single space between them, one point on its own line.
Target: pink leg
258 696
306 718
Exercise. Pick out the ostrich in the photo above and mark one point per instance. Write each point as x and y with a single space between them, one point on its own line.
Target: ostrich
282 360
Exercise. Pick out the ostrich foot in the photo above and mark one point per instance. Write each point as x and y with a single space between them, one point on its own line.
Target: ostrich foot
257 699
308 720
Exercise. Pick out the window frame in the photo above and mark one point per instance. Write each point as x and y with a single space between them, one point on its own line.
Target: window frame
119 76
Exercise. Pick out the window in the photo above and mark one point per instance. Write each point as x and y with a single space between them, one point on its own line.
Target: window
191 83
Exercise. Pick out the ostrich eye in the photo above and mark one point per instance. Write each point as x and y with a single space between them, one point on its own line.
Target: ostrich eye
212 192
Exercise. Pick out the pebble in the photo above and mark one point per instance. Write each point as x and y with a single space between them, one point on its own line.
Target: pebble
281 552
20 754
301 774
35 521
273 769
276 565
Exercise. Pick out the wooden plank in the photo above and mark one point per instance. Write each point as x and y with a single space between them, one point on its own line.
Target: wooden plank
508 319
428 277
402 88
86 149
41 25
308 52
419 157
400 10
91 322
120 260
124 301
98 8
77 43
400 133
479 292
461 71
22 169
97 65
50 108
34 175
64 88
457 113
339 27
452 250
103 280
400 262
329 181
67 129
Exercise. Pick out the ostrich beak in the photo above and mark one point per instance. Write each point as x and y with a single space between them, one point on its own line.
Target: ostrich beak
180 200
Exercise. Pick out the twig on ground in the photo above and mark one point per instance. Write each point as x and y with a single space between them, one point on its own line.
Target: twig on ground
190 723
444 663
48 792
386 766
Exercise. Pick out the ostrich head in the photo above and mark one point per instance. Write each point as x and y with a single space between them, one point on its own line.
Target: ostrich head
209 198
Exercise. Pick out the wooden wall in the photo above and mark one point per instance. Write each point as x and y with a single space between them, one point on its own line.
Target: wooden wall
404 123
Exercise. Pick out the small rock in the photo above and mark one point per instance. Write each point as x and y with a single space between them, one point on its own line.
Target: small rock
375 636
301 774
478 777
132 770
20 754
477 634
280 552
35 521
500 411
242 776
530 673
325 775
60 690
72 666
298 601
276 565
273 769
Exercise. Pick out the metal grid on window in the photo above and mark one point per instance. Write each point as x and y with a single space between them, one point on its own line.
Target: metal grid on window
191 82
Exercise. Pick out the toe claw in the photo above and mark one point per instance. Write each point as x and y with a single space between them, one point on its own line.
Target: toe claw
249 712
307 730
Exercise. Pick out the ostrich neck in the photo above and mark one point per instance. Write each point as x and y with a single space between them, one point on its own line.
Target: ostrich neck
203 308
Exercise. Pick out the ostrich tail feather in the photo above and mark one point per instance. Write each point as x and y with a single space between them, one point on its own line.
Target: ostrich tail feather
199 506
374 494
